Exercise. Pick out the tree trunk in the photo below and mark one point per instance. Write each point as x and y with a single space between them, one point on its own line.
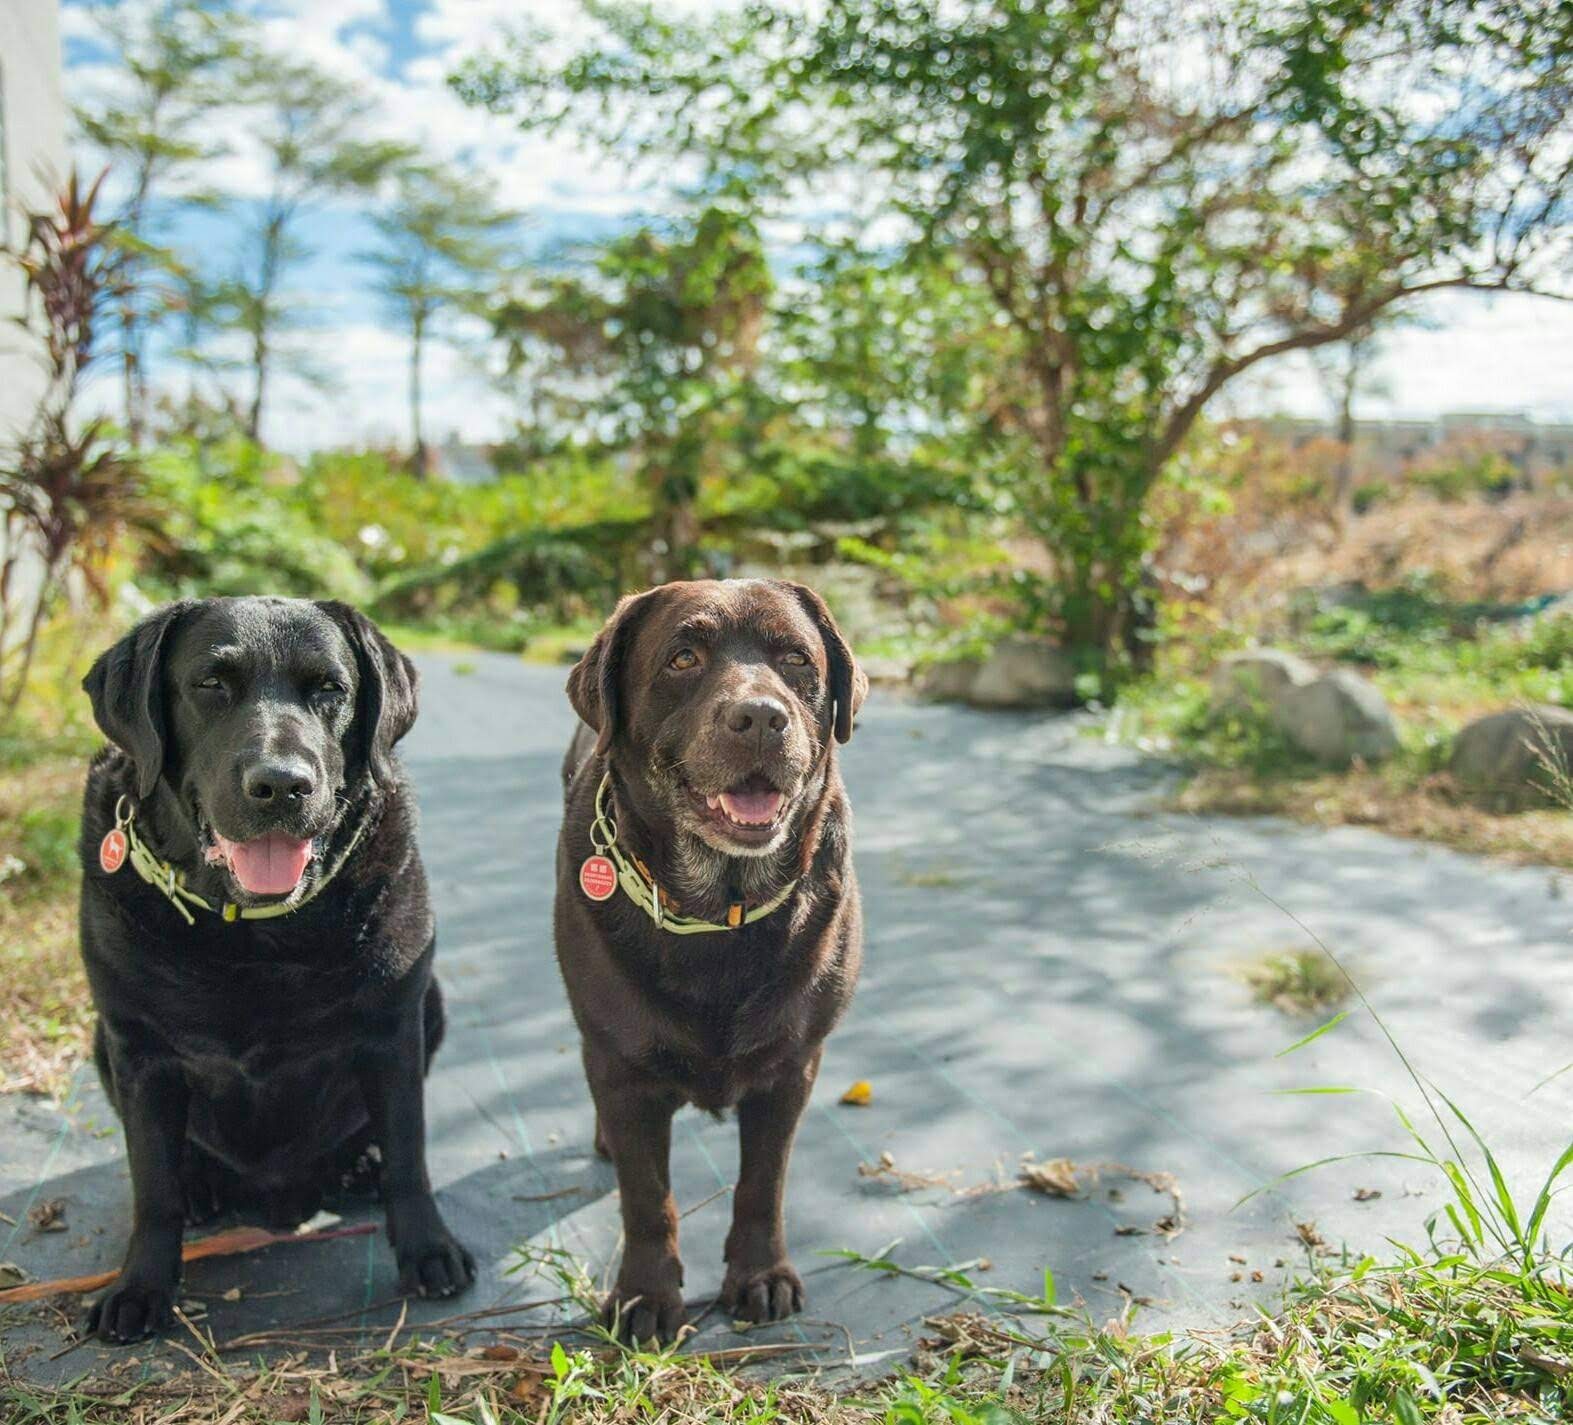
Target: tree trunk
419 460
130 338
259 362
1344 476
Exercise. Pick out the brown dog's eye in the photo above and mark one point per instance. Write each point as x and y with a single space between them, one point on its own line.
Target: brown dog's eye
682 660
796 660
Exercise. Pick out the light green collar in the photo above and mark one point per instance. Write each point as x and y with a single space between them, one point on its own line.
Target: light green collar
171 883
634 877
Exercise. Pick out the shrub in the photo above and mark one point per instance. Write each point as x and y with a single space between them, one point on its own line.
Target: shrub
231 528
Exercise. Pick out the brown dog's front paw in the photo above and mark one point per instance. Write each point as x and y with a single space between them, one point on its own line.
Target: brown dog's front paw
757 1295
636 1315
435 1266
130 1311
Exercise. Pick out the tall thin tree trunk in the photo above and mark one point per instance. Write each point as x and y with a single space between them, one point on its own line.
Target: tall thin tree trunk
1345 474
418 454
259 361
129 362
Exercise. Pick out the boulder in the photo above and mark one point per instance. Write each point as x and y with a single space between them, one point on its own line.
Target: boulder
1337 718
1024 672
1258 677
1501 758
949 682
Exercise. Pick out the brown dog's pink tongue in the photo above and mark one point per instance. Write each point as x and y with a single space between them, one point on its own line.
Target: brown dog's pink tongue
751 808
272 865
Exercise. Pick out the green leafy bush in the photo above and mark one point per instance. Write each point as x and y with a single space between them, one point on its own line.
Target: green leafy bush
232 527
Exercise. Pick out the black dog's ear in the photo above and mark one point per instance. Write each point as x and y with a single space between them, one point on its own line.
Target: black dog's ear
126 686
388 696
592 685
848 682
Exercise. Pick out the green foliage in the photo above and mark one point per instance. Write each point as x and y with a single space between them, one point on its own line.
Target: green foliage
1178 717
1465 477
664 333
1122 242
232 527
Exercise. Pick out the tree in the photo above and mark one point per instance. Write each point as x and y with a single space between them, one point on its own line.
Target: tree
312 132
439 250
169 58
659 342
1344 370
1154 203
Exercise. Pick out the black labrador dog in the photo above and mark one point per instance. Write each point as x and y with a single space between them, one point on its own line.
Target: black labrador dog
707 915
257 933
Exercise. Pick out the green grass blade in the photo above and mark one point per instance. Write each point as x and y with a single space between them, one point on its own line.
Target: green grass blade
1332 1023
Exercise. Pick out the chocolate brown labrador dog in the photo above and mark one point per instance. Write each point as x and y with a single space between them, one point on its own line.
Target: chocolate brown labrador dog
707 915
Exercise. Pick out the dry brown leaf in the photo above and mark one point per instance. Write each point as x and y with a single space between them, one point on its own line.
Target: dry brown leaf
48 1215
1057 1177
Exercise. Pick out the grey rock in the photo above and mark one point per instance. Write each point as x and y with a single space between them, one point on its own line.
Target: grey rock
1024 672
1337 718
949 682
1501 759
1259 677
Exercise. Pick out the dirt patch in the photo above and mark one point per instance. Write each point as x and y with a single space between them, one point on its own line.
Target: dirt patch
1428 811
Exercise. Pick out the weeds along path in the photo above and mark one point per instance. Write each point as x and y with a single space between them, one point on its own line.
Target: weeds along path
1053 969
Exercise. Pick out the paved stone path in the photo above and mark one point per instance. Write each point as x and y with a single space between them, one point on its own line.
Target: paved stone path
1048 972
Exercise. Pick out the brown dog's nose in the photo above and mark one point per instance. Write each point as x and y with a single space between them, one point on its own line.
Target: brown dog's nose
270 781
758 718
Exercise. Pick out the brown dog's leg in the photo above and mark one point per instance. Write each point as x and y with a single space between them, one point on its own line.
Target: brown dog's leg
602 1149
760 1283
636 1125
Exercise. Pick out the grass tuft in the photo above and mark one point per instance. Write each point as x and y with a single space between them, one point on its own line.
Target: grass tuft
1299 982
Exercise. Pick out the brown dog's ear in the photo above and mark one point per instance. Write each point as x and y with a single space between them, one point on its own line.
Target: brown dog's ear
387 697
592 685
126 687
848 682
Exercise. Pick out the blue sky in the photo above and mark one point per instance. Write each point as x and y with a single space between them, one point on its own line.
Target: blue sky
1473 352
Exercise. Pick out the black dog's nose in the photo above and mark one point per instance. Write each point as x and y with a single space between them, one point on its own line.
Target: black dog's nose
758 717
267 781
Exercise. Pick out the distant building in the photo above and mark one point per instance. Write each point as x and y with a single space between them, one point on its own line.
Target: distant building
33 165
462 463
1536 449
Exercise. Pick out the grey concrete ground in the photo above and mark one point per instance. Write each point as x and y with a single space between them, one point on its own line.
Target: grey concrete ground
1048 972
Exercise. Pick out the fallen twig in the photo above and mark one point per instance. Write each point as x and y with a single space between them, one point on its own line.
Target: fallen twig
222 1244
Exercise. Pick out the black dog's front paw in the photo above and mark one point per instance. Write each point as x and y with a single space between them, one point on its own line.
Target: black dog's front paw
767 1294
131 1310
437 1265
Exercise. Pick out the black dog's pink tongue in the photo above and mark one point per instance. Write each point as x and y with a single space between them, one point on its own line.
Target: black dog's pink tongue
272 865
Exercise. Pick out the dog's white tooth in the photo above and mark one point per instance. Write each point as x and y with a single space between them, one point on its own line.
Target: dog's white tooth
712 802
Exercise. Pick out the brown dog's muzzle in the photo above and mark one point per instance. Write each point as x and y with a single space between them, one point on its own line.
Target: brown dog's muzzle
744 770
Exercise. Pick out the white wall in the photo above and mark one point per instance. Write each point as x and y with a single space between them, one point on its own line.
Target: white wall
34 163
33 135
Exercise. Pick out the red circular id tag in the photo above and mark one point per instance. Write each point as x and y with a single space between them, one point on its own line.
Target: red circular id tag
112 850
597 877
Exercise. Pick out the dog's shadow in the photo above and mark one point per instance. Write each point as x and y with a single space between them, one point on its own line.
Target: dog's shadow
334 1291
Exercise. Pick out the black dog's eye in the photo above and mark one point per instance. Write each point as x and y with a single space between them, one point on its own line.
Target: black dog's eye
331 688
210 683
683 660
796 659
